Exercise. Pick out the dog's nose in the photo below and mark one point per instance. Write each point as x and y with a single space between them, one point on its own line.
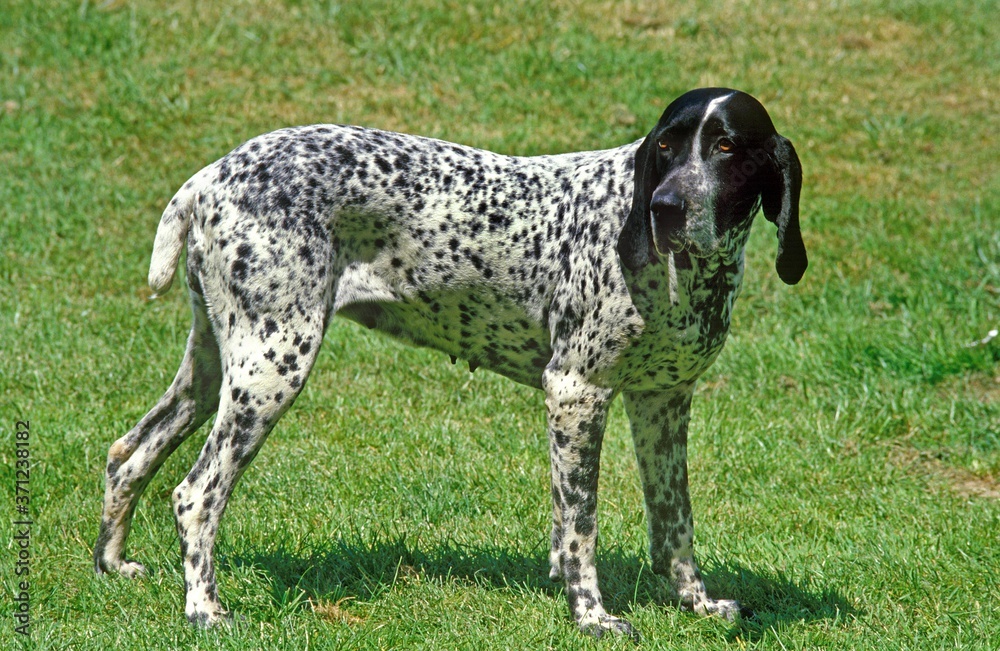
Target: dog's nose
668 208
669 213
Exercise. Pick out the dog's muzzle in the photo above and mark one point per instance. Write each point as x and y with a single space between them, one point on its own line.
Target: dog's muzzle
668 216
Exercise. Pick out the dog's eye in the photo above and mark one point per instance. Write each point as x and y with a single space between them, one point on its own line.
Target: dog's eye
663 145
726 146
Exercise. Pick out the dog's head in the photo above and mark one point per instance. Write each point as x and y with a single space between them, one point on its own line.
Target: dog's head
699 175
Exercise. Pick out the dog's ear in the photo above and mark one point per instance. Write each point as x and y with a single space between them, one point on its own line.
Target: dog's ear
780 201
634 240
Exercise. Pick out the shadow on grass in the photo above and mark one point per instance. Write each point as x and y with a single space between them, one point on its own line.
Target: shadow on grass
367 570
775 600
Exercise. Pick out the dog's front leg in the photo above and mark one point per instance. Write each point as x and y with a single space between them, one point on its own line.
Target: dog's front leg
659 429
577 412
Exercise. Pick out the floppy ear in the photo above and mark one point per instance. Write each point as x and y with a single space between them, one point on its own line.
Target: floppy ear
634 240
780 201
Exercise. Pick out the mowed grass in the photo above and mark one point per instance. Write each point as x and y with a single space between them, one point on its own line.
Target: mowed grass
845 449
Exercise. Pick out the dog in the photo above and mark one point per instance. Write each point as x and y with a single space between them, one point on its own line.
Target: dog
585 275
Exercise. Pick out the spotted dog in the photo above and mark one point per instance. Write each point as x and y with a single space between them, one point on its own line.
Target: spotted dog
585 275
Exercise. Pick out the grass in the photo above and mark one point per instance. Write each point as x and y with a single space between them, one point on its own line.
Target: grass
845 448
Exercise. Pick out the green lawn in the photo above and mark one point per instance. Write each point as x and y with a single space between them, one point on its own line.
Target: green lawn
845 449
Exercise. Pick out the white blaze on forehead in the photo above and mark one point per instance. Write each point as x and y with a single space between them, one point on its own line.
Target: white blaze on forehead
696 142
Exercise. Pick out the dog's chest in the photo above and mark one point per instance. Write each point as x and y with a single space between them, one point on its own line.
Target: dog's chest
686 315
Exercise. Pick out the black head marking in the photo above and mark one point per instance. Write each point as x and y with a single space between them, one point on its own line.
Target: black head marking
678 123
757 164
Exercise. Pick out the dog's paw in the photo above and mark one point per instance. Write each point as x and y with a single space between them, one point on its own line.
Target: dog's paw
601 624
693 599
210 618
132 569
728 609
127 568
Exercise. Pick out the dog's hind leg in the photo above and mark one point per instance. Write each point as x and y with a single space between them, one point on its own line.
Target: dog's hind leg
134 459
264 370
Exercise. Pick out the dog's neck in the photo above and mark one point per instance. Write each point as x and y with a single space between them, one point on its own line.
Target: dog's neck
678 281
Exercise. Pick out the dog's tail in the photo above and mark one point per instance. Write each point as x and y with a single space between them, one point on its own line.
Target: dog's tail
171 234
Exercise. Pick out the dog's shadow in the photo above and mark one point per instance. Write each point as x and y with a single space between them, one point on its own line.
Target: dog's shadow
367 570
